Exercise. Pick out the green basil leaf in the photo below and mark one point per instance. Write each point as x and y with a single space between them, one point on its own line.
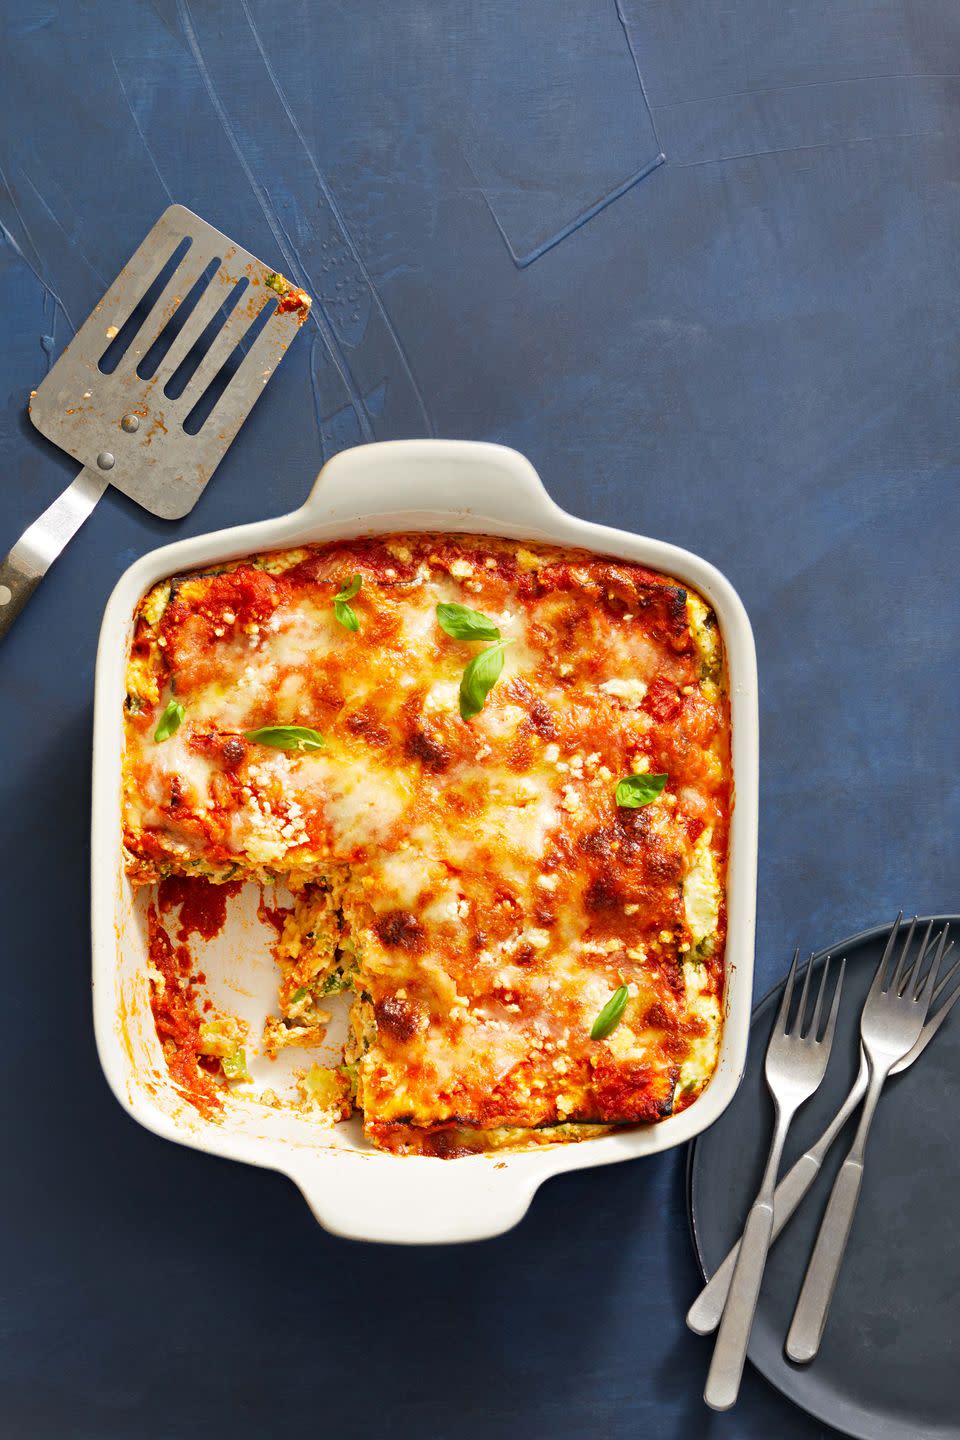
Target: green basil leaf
610 1014
479 678
346 614
169 721
298 995
286 737
462 623
636 790
347 592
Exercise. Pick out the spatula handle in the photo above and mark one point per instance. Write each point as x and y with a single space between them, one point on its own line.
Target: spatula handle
40 544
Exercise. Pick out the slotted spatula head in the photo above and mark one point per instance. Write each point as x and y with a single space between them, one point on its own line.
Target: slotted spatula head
157 382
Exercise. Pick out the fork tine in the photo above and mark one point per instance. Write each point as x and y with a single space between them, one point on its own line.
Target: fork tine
797 1027
911 984
896 983
949 975
814 1025
935 1021
934 1018
784 1011
877 984
834 1007
923 955
926 990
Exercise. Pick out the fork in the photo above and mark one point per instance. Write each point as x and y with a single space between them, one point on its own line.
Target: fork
795 1064
703 1317
890 1025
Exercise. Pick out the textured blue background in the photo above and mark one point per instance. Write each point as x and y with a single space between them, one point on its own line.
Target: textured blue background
751 350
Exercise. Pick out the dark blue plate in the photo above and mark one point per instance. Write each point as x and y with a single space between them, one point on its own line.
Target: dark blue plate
889 1365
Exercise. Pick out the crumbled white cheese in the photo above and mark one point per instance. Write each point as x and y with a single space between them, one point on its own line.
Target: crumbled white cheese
631 692
442 695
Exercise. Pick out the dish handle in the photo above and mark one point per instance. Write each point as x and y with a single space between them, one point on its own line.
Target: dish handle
423 475
411 1200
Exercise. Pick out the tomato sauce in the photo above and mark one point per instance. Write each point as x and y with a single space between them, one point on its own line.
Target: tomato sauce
177 1020
203 905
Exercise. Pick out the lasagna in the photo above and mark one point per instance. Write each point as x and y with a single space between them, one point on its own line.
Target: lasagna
493 777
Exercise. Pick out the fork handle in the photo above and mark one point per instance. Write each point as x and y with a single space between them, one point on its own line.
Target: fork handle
820 1281
703 1317
40 544
704 1314
810 1317
730 1350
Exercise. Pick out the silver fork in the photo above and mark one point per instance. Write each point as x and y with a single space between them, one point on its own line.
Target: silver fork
795 1064
703 1317
890 1025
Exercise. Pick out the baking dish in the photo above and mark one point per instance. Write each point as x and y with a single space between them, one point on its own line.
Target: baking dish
353 1190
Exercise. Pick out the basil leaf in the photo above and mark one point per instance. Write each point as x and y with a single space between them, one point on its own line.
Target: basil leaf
169 721
610 1014
346 614
286 737
462 623
347 592
636 790
298 995
479 678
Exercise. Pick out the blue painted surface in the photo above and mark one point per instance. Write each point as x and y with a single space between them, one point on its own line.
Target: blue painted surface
752 352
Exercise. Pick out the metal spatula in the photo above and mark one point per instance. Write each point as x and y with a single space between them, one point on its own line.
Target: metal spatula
157 382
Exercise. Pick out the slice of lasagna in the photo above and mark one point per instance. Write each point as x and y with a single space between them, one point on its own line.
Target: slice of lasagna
495 777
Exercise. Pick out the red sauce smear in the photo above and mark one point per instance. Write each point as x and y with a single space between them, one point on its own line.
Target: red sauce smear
203 905
294 300
177 1021
274 915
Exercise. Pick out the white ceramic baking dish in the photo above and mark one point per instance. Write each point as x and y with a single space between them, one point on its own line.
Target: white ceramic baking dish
353 1190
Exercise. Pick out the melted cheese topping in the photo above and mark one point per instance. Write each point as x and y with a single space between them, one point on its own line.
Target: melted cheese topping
491 895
